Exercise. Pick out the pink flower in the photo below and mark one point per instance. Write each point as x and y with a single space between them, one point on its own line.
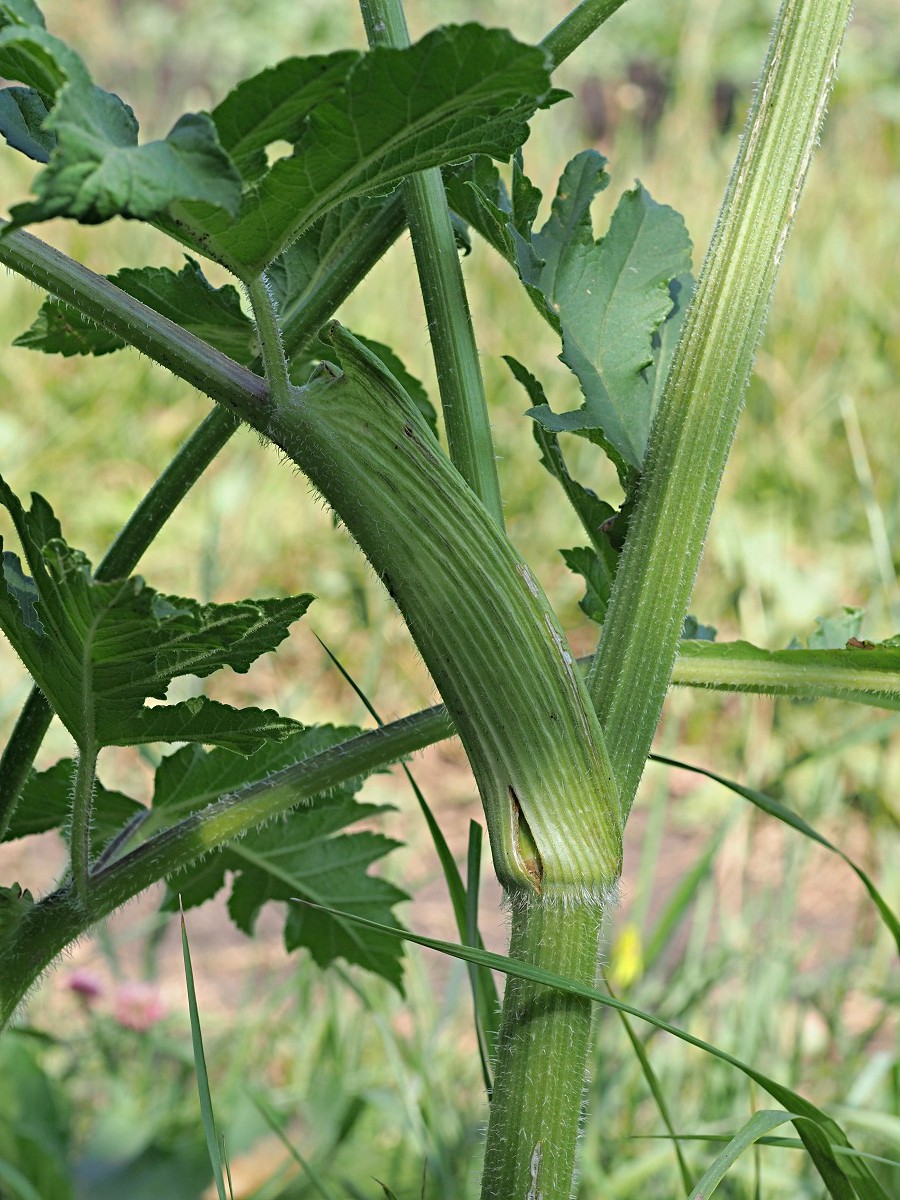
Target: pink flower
86 985
138 1005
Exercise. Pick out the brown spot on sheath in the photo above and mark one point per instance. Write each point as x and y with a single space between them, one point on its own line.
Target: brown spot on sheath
856 644
409 431
525 847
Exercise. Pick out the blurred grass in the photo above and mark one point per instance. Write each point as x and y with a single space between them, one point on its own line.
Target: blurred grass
776 954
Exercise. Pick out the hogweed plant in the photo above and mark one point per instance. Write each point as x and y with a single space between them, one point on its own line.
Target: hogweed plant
404 135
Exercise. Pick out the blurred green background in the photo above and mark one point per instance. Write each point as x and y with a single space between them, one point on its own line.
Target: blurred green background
774 953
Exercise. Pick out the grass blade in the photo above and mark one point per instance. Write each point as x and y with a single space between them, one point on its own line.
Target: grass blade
206 1108
658 1095
311 1173
486 1014
820 1133
767 805
758 1125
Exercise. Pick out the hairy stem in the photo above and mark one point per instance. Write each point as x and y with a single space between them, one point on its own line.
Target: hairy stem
541 1054
82 809
695 424
444 295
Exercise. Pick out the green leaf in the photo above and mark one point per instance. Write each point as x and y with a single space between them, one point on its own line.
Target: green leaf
192 777
98 650
611 296
835 632
15 904
610 300
98 170
459 91
46 803
206 1106
757 1126
22 116
304 855
598 573
274 105
186 297
34 57
20 12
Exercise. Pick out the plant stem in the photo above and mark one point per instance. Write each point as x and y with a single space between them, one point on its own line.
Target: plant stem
576 27
270 341
541 1054
694 427
444 295
82 808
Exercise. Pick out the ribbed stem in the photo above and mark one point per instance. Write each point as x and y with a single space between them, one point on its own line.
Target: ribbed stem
694 427
269 333
479 618
541 1057
456 359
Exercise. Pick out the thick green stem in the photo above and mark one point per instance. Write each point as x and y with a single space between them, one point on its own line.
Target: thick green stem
541 1054
444 295
484 627
695 424
269 333
576 27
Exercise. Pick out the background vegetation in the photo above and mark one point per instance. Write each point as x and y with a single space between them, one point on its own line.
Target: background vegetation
746 935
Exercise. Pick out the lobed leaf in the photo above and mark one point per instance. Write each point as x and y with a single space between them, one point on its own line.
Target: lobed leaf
459 91
610 300
303 854
46 803
186 297
99 650
98 170
22 116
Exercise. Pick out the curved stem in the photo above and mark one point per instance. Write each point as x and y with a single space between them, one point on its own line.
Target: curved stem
694 426
453 344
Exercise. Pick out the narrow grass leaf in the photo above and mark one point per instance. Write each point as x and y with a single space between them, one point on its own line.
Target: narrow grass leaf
485 1022
680 901
758 1125
658 1095
206 1105
311 1173
20 1188
820 1145
767 805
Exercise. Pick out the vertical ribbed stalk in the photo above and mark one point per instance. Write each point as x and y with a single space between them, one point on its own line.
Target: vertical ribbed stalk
695 424
80 827
456 360
541 1053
